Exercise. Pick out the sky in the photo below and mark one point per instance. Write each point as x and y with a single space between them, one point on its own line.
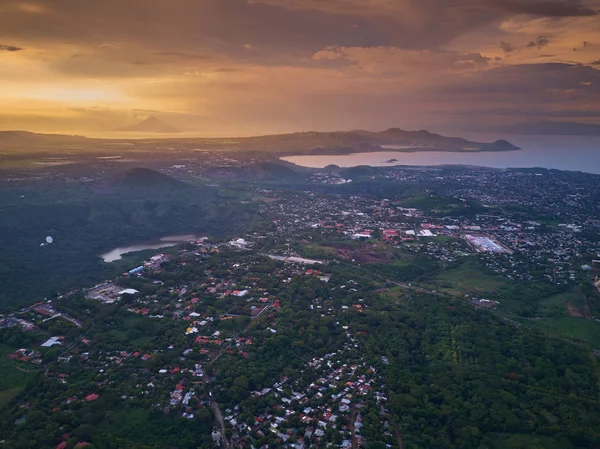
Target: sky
248 67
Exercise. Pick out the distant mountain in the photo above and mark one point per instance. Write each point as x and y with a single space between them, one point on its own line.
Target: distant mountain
343 142
338 142
151 125
28 138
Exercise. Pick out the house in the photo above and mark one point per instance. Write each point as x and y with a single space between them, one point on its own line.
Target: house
128 291
91 397
53 341
390 234
239 243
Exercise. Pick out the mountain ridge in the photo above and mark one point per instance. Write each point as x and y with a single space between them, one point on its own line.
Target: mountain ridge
304 142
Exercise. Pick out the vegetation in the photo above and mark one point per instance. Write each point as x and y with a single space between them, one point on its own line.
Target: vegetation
85 222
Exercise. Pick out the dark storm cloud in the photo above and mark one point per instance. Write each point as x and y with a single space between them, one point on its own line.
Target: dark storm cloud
233 26
220 26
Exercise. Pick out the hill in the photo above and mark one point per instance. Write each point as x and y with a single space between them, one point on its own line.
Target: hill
144 179
151 125
136 206
11 138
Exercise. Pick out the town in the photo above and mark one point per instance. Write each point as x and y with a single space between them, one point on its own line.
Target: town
267 339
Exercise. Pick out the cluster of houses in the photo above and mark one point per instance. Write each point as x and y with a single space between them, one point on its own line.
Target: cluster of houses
512 245
30 317
333 402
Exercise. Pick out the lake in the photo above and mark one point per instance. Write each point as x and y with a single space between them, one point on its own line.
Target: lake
164 242
576 153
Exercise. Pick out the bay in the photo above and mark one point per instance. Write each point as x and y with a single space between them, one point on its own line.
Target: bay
575 153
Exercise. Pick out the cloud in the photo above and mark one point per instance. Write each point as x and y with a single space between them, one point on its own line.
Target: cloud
396 61
506 47
281 65
539 42
183 55
551 127
552 8
10 48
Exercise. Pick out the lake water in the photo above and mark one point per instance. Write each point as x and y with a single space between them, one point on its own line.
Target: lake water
164 242
577 153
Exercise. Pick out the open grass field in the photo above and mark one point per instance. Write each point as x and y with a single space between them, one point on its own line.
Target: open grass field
571 327
361 252
434 204
441 205
571 303
468 279
316 251
393 294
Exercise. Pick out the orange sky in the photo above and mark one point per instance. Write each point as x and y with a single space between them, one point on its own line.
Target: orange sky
239 67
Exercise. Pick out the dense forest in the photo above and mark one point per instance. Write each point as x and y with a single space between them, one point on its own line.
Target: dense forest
85 221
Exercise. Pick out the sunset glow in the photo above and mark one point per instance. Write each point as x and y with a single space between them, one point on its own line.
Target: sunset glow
234 67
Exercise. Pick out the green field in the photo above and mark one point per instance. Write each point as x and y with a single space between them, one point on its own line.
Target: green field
570 327
441 205
316 251
468 279
556 305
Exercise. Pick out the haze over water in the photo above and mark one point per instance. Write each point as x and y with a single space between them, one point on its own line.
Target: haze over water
575 153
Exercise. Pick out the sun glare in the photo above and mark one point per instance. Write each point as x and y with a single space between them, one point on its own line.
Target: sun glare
63 94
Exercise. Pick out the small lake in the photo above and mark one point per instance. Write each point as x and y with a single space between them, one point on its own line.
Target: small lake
576 153
164 242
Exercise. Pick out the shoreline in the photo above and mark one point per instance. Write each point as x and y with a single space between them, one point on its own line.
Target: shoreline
350 151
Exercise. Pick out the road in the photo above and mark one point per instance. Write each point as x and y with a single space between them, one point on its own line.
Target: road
221 421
